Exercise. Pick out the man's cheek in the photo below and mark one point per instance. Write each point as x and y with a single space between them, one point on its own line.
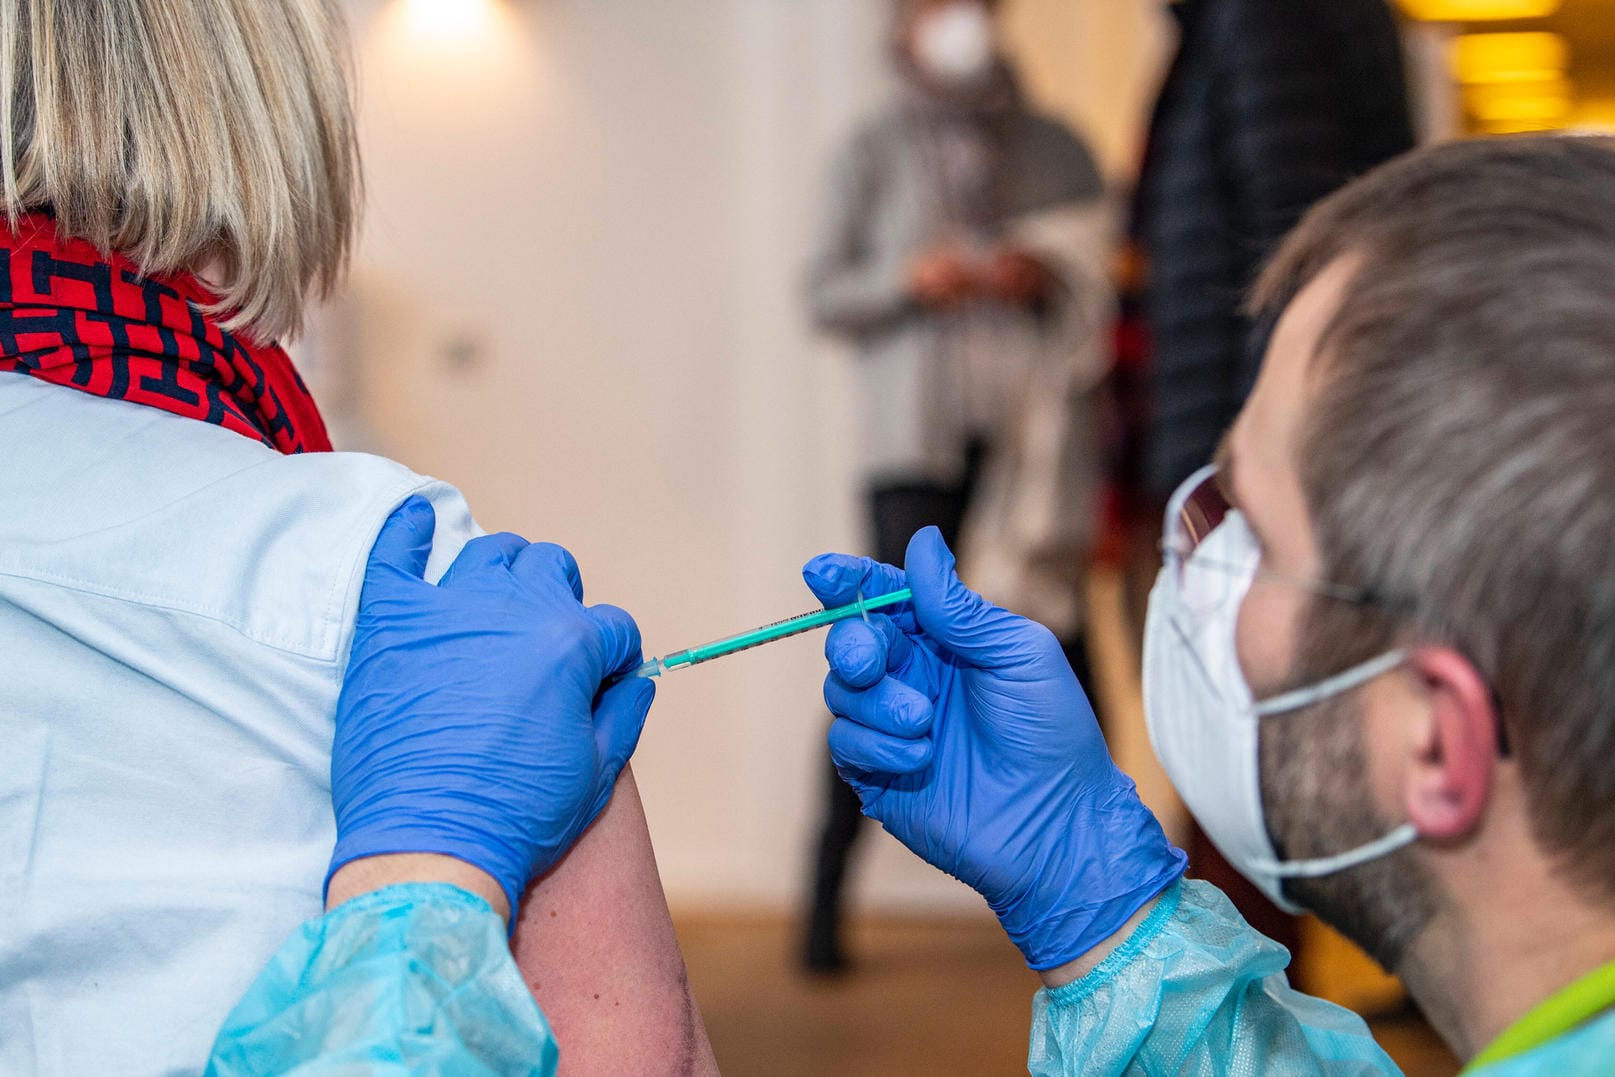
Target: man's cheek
1265 635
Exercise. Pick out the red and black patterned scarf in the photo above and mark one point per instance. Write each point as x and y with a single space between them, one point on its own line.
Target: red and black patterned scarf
75 317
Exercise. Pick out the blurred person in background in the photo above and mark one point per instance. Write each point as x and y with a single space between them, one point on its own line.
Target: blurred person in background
1379 664
1267 106
181 559
962 256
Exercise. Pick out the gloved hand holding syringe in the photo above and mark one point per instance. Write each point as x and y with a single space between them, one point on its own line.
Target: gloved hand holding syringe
791 626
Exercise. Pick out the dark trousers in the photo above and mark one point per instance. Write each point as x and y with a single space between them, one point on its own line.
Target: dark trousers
897 512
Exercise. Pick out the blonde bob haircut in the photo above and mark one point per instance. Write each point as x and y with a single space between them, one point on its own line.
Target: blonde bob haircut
188 135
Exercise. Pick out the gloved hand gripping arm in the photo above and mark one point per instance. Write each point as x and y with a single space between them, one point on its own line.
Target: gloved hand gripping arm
965 733
474 725
472 721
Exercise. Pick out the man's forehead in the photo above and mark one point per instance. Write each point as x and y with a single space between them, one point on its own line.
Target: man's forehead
1267 434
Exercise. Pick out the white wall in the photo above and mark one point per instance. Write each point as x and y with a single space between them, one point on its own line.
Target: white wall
604 204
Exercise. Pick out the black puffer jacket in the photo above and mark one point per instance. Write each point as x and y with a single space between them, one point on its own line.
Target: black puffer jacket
1269 106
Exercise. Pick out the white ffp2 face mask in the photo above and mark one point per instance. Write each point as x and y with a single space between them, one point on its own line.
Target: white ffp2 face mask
1202 720
955 44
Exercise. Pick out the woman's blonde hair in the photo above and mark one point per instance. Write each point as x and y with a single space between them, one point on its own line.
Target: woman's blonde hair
186 134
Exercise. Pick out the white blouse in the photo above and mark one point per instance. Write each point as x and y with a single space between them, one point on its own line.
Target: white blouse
176 607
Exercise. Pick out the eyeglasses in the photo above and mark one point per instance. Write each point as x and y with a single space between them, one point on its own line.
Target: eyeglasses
1198 508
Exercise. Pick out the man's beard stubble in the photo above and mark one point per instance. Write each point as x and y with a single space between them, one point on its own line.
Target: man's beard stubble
1315 795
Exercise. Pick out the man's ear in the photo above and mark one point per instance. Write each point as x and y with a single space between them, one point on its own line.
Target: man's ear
1450 774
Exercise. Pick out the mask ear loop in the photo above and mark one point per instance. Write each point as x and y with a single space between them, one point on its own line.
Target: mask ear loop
862 609
1402 836
1331 686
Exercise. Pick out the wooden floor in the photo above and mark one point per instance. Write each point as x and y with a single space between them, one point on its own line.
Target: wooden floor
927 997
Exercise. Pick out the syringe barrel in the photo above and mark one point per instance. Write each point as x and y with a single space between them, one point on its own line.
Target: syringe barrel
791 626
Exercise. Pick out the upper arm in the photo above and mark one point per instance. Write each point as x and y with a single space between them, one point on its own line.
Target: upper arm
595 943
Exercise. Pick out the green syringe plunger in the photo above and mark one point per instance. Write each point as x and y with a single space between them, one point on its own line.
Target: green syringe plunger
756 637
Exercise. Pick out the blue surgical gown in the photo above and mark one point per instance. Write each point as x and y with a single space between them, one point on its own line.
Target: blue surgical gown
1196 990
415 978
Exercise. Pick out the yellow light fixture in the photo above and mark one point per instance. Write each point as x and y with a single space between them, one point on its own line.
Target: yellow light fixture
1478 10
1545 101
1518 57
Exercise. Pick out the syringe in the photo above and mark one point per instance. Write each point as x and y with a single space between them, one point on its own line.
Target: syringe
791 626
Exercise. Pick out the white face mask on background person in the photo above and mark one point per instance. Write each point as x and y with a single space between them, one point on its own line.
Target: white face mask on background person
955 44
1202 720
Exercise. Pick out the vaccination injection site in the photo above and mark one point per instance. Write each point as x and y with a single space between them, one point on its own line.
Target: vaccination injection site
807 538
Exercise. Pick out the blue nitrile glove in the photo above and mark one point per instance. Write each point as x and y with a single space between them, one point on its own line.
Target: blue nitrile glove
964 731
472 721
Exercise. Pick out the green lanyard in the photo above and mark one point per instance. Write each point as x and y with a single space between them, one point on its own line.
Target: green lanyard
1553 1017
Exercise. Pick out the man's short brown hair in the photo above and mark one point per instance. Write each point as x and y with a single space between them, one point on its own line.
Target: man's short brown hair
1459 458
